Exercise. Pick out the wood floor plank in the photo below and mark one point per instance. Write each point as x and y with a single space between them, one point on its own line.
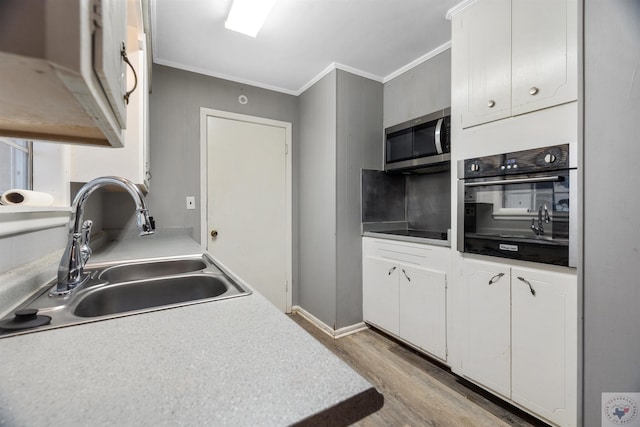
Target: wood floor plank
417 390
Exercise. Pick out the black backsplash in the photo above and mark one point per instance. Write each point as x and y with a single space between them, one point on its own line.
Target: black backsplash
429 201
382 196
421 200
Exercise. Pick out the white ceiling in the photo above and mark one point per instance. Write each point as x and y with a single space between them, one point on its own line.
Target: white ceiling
301 39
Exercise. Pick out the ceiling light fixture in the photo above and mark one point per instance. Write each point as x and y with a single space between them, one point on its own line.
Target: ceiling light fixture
247 16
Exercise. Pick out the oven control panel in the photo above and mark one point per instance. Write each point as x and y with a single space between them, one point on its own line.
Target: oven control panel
520 162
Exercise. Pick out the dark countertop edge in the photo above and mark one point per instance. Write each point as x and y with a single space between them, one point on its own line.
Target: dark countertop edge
422 240
346 412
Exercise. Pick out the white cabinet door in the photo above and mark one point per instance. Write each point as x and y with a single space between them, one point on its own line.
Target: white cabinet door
488 354
423 309
544 54
109 37
544 343
485 43
516 56
380 293
132 160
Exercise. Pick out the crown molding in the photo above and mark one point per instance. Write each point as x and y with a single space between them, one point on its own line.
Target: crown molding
331 67
418 61
223 76
458 8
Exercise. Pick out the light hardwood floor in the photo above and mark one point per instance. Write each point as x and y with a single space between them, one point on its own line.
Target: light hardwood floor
417 391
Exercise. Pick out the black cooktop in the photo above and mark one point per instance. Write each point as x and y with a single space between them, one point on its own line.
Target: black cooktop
425 234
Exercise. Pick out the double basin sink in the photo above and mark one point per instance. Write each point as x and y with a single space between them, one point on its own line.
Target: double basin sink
126 288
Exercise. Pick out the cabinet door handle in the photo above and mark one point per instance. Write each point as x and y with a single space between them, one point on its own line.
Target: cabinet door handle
495 278
533 291
123 54
392 270
405 275
534 91
491 103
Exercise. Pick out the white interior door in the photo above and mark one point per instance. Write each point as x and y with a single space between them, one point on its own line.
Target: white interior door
247 203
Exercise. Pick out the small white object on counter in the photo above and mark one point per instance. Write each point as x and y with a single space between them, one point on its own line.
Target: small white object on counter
26 198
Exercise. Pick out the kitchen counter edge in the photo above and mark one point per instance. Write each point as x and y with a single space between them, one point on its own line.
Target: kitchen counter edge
100 372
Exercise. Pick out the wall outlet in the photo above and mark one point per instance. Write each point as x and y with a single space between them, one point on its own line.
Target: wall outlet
191 202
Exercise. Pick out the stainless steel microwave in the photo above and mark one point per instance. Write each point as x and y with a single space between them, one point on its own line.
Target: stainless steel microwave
419 145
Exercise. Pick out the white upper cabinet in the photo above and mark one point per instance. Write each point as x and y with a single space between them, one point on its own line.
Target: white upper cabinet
107 57
484 46
132 160
544 54
63 76
514 56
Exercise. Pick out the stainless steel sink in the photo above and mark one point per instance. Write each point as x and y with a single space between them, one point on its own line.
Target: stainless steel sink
149 269
144 294
133 287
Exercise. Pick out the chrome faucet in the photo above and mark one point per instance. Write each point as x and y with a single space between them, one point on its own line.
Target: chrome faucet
542 211
71 270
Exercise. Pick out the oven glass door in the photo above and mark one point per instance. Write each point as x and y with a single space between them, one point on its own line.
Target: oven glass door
524 217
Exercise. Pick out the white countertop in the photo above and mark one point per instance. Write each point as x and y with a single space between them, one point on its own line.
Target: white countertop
232 362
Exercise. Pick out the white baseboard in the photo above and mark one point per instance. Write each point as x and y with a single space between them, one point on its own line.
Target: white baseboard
334 333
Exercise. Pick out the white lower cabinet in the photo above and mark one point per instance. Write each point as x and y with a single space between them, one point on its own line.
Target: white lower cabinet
488 326
381 293
522 336
404 292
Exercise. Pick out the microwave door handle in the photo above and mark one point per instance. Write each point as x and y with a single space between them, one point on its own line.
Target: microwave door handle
515 181
438 139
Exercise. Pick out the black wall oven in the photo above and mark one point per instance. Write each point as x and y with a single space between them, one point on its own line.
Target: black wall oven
520 205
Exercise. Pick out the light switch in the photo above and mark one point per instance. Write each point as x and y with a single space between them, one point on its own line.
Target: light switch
191 202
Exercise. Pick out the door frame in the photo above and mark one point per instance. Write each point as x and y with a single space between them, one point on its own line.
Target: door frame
205 113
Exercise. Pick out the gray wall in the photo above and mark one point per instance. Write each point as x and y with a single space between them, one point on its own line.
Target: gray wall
359 138
174 124
611 202
317 200
422 90
341 128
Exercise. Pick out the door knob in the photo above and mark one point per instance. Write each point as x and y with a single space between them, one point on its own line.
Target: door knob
214 233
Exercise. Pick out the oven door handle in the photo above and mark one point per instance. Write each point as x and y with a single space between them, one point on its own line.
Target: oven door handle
556 178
